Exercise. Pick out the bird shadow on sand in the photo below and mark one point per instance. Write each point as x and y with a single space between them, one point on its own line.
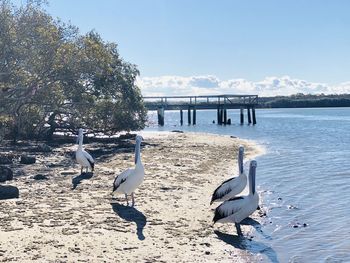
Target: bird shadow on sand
77 180
250 245
131 214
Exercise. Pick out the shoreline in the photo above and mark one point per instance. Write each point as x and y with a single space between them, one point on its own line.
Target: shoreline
171 220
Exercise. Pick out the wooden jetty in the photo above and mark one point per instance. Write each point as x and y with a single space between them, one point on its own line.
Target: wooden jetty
193 103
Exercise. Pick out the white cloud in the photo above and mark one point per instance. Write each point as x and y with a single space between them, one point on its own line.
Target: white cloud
205 85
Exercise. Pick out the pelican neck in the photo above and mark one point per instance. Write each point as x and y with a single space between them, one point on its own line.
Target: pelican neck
138 154
81 138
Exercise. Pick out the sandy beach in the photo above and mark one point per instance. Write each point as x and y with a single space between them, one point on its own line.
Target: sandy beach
74 218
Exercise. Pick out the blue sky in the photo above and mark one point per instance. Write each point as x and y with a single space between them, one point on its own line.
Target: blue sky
252 40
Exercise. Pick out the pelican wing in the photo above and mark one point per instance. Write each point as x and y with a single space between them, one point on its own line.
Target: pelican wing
224 189
90 159
228 208
88 156
121 178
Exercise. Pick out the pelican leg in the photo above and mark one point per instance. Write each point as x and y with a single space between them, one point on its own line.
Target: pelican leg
238 229
126 198
81 170
133 199
87 169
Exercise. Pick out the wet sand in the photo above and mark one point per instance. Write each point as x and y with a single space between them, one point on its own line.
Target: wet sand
74 218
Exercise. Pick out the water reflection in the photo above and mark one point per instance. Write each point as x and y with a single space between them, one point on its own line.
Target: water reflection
252 246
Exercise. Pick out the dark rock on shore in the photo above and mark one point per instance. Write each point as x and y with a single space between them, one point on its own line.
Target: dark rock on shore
8 192
40 177
178 131
5 174
5 160
43 148
27 159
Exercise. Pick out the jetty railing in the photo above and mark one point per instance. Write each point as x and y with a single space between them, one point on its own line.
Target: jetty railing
193 103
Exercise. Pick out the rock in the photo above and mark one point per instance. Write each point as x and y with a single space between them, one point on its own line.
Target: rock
3 178
5 174
5 160
44 148
52 165
177 131
26 159
262 214
8 192
40 177
65 173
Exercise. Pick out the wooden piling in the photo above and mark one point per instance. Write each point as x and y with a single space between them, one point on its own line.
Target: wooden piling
160 112
219 116
181 117
189 115
225 116
253 114
194 116
249 117
242 115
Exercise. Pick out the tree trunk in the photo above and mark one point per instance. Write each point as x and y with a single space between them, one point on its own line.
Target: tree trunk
53 126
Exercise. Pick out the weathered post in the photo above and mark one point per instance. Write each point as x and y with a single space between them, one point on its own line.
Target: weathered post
253 113
160 112
189 115
181 117
219 116
249 118
242 115
225 116
194 116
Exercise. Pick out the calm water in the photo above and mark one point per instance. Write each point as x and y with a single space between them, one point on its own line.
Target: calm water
304 178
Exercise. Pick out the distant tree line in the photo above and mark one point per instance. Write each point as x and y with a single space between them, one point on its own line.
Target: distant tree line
305 101
54 79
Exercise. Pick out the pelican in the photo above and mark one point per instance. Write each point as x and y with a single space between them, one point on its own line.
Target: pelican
231 187
238 208
84 158
130 179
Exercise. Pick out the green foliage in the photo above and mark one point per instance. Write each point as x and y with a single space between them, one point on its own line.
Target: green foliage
52 78
305 101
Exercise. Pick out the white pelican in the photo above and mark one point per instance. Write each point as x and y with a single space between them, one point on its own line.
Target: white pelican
238 208
84 158
232 187
130 179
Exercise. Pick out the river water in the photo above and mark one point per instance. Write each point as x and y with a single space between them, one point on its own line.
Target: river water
303 179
